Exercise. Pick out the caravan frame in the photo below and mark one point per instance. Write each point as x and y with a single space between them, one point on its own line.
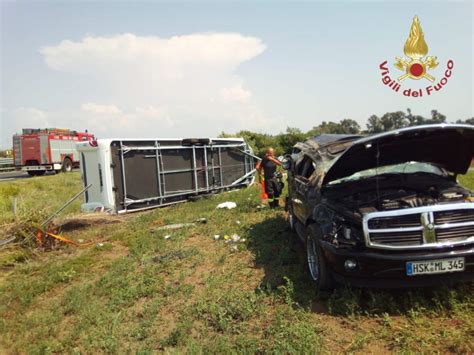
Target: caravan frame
136 174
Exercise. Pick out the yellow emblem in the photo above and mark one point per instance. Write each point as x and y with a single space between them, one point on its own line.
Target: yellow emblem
415 66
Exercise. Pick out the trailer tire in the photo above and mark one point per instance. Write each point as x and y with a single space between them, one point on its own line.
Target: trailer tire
32 173
66 166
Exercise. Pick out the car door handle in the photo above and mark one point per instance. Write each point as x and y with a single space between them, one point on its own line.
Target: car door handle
297 201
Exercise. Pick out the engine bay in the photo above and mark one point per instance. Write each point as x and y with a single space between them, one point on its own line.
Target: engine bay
370 196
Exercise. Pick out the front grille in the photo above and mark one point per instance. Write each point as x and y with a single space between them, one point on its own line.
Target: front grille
397 238
409 220
454 216
455 233
420 227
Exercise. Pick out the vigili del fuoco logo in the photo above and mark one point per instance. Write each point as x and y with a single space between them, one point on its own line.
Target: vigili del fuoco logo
415 65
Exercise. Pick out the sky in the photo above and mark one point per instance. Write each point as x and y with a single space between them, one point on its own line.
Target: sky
195 69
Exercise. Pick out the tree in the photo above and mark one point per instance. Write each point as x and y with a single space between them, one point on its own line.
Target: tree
393 120
287 140
374 124
467 121
415 120
437 117
349 126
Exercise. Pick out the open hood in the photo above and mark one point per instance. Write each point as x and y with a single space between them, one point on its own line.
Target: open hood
450 146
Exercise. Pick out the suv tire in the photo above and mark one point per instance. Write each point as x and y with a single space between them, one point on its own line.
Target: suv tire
317 265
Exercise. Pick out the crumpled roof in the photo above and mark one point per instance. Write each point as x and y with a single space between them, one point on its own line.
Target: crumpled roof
450 146
328 138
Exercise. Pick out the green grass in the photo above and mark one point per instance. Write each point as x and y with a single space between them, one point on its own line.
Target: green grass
138 292
38 197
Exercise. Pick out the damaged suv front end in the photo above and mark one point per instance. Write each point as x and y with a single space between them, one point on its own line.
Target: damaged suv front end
385 210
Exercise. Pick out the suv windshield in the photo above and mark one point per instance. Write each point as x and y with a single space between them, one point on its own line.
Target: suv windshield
404 168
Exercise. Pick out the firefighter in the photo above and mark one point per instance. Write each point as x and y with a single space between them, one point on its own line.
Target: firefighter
268 166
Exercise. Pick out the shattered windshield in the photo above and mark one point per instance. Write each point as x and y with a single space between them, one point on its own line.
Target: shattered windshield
404 168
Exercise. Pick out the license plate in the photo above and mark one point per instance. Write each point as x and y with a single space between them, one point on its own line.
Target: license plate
435 266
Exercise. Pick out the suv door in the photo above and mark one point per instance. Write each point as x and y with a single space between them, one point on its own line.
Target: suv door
303 172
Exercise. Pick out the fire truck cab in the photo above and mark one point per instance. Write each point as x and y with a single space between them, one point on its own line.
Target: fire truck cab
52 149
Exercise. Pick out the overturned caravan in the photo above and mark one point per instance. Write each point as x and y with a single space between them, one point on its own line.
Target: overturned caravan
135 174
385 210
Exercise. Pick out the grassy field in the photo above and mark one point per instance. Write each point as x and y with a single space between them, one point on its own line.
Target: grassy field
137 291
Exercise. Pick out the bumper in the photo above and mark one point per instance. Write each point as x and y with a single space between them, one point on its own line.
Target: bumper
388 269
41 167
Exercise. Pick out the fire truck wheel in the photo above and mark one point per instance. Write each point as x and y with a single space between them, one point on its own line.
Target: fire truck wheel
36 173
67 165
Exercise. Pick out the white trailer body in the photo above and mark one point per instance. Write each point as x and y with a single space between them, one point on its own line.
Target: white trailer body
135 174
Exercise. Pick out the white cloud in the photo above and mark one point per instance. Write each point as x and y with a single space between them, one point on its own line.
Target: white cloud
19 118
224 50
183 85
235 94
29 117
100 109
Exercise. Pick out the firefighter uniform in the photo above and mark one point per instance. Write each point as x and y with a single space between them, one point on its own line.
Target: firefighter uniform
272 185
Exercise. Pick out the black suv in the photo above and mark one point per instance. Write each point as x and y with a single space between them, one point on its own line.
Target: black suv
384 210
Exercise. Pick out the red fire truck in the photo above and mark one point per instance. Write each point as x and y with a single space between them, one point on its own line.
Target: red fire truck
51 149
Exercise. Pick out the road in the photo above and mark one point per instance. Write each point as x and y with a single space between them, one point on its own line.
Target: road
14 175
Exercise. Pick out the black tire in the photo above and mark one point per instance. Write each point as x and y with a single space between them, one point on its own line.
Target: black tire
317 265
66 166
32 173
40 172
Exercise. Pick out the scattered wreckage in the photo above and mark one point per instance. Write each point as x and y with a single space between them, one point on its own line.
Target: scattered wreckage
135 174
385 210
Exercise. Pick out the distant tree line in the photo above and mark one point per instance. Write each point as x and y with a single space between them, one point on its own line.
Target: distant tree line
283 142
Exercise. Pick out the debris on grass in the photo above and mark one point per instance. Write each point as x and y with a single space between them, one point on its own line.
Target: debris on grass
93 207
229 205
86 221
232 240
48 240
166 237
217 237
179 225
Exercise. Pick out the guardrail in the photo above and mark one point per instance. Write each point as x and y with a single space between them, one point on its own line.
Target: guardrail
6 164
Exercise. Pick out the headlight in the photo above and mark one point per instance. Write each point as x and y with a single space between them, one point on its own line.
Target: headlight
348 235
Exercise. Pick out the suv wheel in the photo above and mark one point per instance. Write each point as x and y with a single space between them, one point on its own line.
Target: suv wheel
317 265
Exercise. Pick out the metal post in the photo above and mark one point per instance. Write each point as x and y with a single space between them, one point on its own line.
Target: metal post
205 167
124 183
195 169
50 218
220 166
158 172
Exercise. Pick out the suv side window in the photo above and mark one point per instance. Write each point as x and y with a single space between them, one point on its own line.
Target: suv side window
309 169
300 167
305 168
